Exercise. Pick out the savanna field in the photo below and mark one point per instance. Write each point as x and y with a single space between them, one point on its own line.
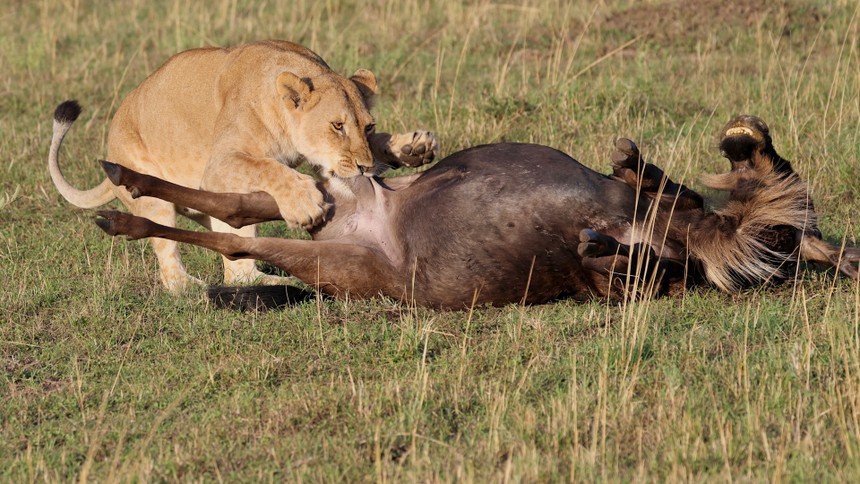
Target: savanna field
106 376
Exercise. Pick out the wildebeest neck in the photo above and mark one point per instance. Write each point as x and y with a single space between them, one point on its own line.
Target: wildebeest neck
361 213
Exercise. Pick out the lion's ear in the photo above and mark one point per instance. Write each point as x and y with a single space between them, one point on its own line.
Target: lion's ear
366 83
296 91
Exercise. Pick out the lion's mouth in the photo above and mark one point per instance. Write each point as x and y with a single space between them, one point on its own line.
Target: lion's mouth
362 171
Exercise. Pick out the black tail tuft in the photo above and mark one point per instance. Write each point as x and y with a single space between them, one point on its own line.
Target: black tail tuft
257 298
67 111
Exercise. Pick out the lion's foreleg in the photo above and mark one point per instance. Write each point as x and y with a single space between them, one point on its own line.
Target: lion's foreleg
300 201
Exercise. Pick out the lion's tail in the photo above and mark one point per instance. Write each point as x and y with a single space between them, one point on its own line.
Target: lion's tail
64 116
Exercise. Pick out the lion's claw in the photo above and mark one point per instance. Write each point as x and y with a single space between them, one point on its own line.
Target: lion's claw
420 150
301 203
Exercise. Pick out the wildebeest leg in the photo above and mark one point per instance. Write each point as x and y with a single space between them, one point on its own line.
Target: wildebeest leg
331 267
629 166
606 256
236 209
594 244
814 249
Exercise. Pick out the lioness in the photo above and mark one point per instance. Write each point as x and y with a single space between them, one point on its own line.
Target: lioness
238 120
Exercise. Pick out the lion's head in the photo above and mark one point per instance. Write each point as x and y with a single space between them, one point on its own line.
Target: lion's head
331 120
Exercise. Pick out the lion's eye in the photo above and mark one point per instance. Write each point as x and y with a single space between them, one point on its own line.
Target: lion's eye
369 128
337 125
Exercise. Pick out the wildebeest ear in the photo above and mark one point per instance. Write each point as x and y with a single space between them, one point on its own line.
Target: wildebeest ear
366 83
298 92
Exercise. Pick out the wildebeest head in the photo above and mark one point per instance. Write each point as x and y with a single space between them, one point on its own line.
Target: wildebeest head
746 142
772 220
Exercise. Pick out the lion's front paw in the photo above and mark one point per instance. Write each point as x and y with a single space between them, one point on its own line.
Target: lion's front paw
301 203
415 149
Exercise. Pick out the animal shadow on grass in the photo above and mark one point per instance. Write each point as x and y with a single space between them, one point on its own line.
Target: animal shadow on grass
258 298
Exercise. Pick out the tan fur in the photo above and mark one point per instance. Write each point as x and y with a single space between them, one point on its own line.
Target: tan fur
732 260
237 120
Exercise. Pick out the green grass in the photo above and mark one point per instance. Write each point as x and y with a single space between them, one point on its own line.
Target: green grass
105 376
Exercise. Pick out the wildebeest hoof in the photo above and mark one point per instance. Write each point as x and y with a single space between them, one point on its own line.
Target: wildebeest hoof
113 171
594 244
121 176
591 244
120 223
626 154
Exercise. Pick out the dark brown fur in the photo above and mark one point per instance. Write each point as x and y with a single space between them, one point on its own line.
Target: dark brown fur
525 223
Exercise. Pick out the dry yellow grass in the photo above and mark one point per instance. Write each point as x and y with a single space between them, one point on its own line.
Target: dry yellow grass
106 377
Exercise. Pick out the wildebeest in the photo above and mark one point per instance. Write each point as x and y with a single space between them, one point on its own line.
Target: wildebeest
504 223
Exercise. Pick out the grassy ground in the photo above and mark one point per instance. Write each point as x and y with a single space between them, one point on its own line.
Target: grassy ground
105 376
